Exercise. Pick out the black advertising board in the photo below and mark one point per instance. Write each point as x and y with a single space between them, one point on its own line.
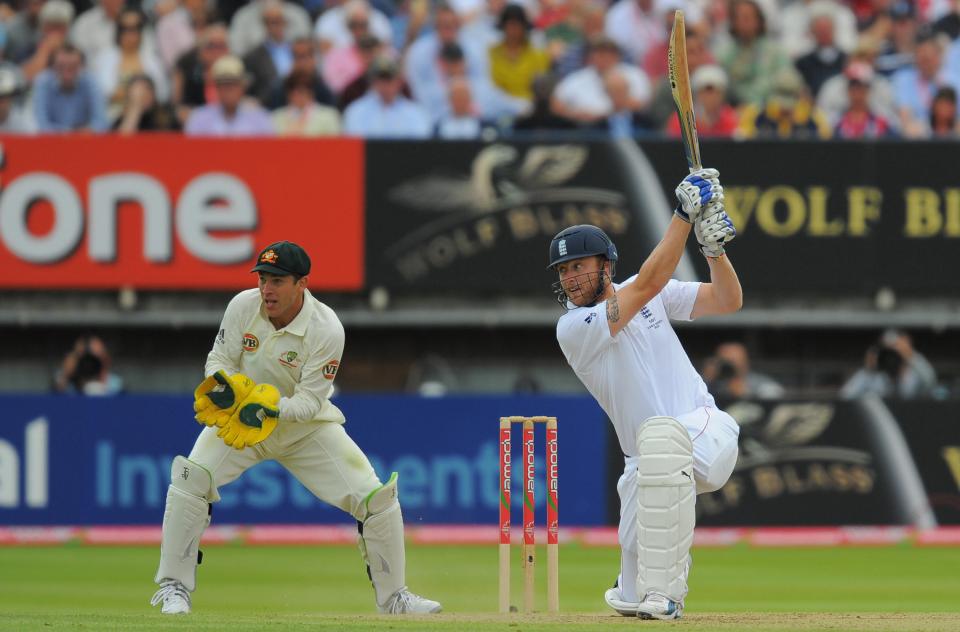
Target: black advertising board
813 217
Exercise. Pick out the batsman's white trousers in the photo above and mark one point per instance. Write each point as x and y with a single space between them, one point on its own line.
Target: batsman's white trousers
714 435
319 454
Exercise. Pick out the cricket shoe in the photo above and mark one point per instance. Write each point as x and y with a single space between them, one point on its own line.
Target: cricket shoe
657 606
614 599
405 602
175 598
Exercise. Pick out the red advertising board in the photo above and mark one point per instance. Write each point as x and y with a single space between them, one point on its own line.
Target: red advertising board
166 212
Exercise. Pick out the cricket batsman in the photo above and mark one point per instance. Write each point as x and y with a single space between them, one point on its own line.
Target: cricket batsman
266 395
618 340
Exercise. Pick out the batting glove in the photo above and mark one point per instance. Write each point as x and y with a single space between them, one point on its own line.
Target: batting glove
696 191
217 397
713 230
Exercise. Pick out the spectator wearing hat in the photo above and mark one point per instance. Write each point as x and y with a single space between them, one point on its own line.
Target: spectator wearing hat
915 85
515 61
826 59
943 114
751 58
715 117
13 118
66 97
383 112
303 116
369 48
248 30
860 121
833 98
582 96
787 113
53 27
271 61
635 26
142 112
799 34
114 65
232 114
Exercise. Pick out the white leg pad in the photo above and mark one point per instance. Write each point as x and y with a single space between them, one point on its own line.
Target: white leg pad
665 515
185 518
381 540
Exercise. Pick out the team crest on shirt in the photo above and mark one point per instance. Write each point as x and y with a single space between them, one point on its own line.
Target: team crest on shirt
289 359
330 369
647 313
269 257
250 342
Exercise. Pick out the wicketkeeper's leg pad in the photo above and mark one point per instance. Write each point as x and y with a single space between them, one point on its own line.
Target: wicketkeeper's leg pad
185 518
665 515
381 541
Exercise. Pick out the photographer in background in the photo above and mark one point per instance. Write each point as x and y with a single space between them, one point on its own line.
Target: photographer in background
86 370
892 368
728 375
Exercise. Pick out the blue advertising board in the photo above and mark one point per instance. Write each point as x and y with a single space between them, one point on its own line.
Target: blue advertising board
68 460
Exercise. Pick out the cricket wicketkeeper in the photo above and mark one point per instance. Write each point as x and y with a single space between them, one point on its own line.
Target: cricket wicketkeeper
618 339
266 396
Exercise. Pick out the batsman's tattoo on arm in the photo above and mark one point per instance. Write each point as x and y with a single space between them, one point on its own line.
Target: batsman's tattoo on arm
613 309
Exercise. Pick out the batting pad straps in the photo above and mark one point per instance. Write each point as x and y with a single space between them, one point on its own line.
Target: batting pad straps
665 515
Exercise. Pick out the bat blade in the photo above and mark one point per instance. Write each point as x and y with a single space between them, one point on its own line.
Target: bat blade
680 87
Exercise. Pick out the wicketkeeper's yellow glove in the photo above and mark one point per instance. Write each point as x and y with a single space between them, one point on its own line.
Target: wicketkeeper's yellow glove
254 419
219 396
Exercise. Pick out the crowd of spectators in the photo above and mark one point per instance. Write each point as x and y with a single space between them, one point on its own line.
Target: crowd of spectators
813 69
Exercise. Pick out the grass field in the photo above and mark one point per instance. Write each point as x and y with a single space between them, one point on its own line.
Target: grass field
277 588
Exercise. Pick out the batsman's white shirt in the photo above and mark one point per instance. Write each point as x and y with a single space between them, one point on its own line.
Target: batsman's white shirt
644 372
641 372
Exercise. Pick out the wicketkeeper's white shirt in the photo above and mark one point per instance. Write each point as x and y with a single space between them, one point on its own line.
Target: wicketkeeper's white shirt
641 372
301 359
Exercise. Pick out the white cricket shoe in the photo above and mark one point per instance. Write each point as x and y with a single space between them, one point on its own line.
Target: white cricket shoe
175 598
405 602
614 599
657 606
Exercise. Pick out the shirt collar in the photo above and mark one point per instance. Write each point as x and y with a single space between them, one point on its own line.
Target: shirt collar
297 326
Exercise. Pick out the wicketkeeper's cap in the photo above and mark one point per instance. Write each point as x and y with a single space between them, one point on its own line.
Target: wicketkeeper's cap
283 258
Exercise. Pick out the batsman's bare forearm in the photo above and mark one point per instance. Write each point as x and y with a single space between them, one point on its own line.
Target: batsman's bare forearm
652 277
723 294
726 285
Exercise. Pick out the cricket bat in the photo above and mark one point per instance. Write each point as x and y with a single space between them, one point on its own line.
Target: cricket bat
680 87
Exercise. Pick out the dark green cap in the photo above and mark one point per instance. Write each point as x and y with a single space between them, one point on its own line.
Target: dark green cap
283 258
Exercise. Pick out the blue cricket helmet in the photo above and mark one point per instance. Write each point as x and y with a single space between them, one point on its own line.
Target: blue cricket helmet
579 241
